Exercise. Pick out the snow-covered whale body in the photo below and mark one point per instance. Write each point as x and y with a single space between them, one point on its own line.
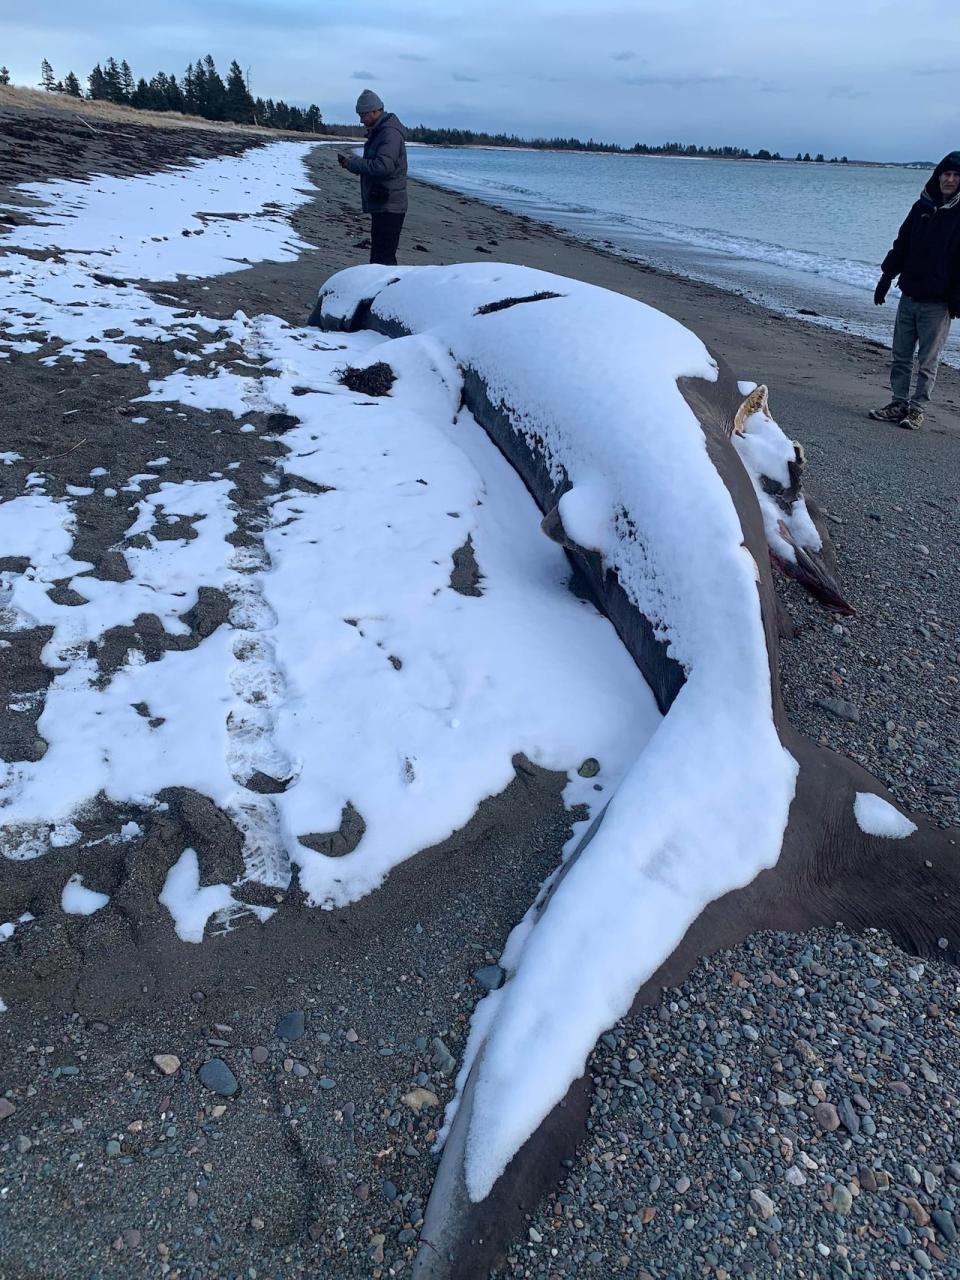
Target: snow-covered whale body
673 491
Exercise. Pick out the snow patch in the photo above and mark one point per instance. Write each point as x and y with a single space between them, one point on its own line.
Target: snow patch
878 817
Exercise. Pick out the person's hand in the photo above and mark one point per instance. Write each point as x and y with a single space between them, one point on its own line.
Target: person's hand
880 292
341 160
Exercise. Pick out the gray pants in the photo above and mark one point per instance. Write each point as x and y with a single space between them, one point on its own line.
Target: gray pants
921 328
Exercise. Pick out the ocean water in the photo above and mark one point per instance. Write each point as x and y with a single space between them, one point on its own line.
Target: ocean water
788 235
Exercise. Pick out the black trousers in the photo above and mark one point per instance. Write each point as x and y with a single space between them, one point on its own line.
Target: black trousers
384 237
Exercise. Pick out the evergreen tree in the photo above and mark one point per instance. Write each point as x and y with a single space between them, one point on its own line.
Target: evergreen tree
47 80
97 83
215 99
126 80
313 120
239 104
113 81
143 97
4 75
71 85
174 95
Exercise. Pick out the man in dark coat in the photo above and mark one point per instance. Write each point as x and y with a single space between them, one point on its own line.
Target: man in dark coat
383 176
926 257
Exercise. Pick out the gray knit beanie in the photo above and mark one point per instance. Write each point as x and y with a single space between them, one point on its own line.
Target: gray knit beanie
368 101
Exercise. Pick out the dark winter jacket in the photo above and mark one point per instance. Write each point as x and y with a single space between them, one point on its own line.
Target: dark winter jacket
383 169
926 252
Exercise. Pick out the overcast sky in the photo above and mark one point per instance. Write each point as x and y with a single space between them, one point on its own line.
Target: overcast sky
866 78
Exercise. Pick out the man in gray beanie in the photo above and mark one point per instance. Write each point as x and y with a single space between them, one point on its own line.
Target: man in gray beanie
383 176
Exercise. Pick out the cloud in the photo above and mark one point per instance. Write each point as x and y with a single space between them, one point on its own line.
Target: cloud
625 55
412 57
680 80
362 75
459 76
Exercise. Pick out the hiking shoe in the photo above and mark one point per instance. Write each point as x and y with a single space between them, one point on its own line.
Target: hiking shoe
912 419
892 412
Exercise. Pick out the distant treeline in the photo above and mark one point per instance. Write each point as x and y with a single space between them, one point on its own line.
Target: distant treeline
200 91
471 138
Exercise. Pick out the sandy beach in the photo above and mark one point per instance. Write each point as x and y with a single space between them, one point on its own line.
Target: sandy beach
320 1163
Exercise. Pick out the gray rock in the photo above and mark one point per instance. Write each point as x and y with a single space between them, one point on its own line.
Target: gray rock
842 1200
443 1060
825 1114
291 1026
216 1076
945 1224
848 1116
839 707
490 977
7 1109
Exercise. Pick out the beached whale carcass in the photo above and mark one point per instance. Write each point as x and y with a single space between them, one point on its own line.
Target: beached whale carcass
671 487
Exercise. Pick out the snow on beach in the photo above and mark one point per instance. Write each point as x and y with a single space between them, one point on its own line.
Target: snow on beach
354 686
350 674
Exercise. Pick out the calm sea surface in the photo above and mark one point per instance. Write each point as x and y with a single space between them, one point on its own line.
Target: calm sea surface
784 234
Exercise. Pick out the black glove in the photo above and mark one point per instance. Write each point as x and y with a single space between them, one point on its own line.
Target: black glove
880 292
341 160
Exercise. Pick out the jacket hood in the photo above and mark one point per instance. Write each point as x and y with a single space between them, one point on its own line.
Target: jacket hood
932 187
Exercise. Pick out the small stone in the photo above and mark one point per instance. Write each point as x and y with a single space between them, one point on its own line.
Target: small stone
23 1144
351 1036
132 1238
535 1236
291 1026
723 1116
419 1098
257 1223
867 1178
848 1116
216 1076
916 1210
796 1177
218 1111
7 1109
443 1060
490 977
390 1192
945 1224
682 1184
839 707
825 1114
842 1200
590 768
763 1203
192 1199
260 1055
168 1063
113 1147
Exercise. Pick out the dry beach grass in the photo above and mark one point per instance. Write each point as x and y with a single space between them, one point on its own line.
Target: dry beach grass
318 1165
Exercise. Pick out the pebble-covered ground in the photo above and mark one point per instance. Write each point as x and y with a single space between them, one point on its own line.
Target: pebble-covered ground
793 1109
